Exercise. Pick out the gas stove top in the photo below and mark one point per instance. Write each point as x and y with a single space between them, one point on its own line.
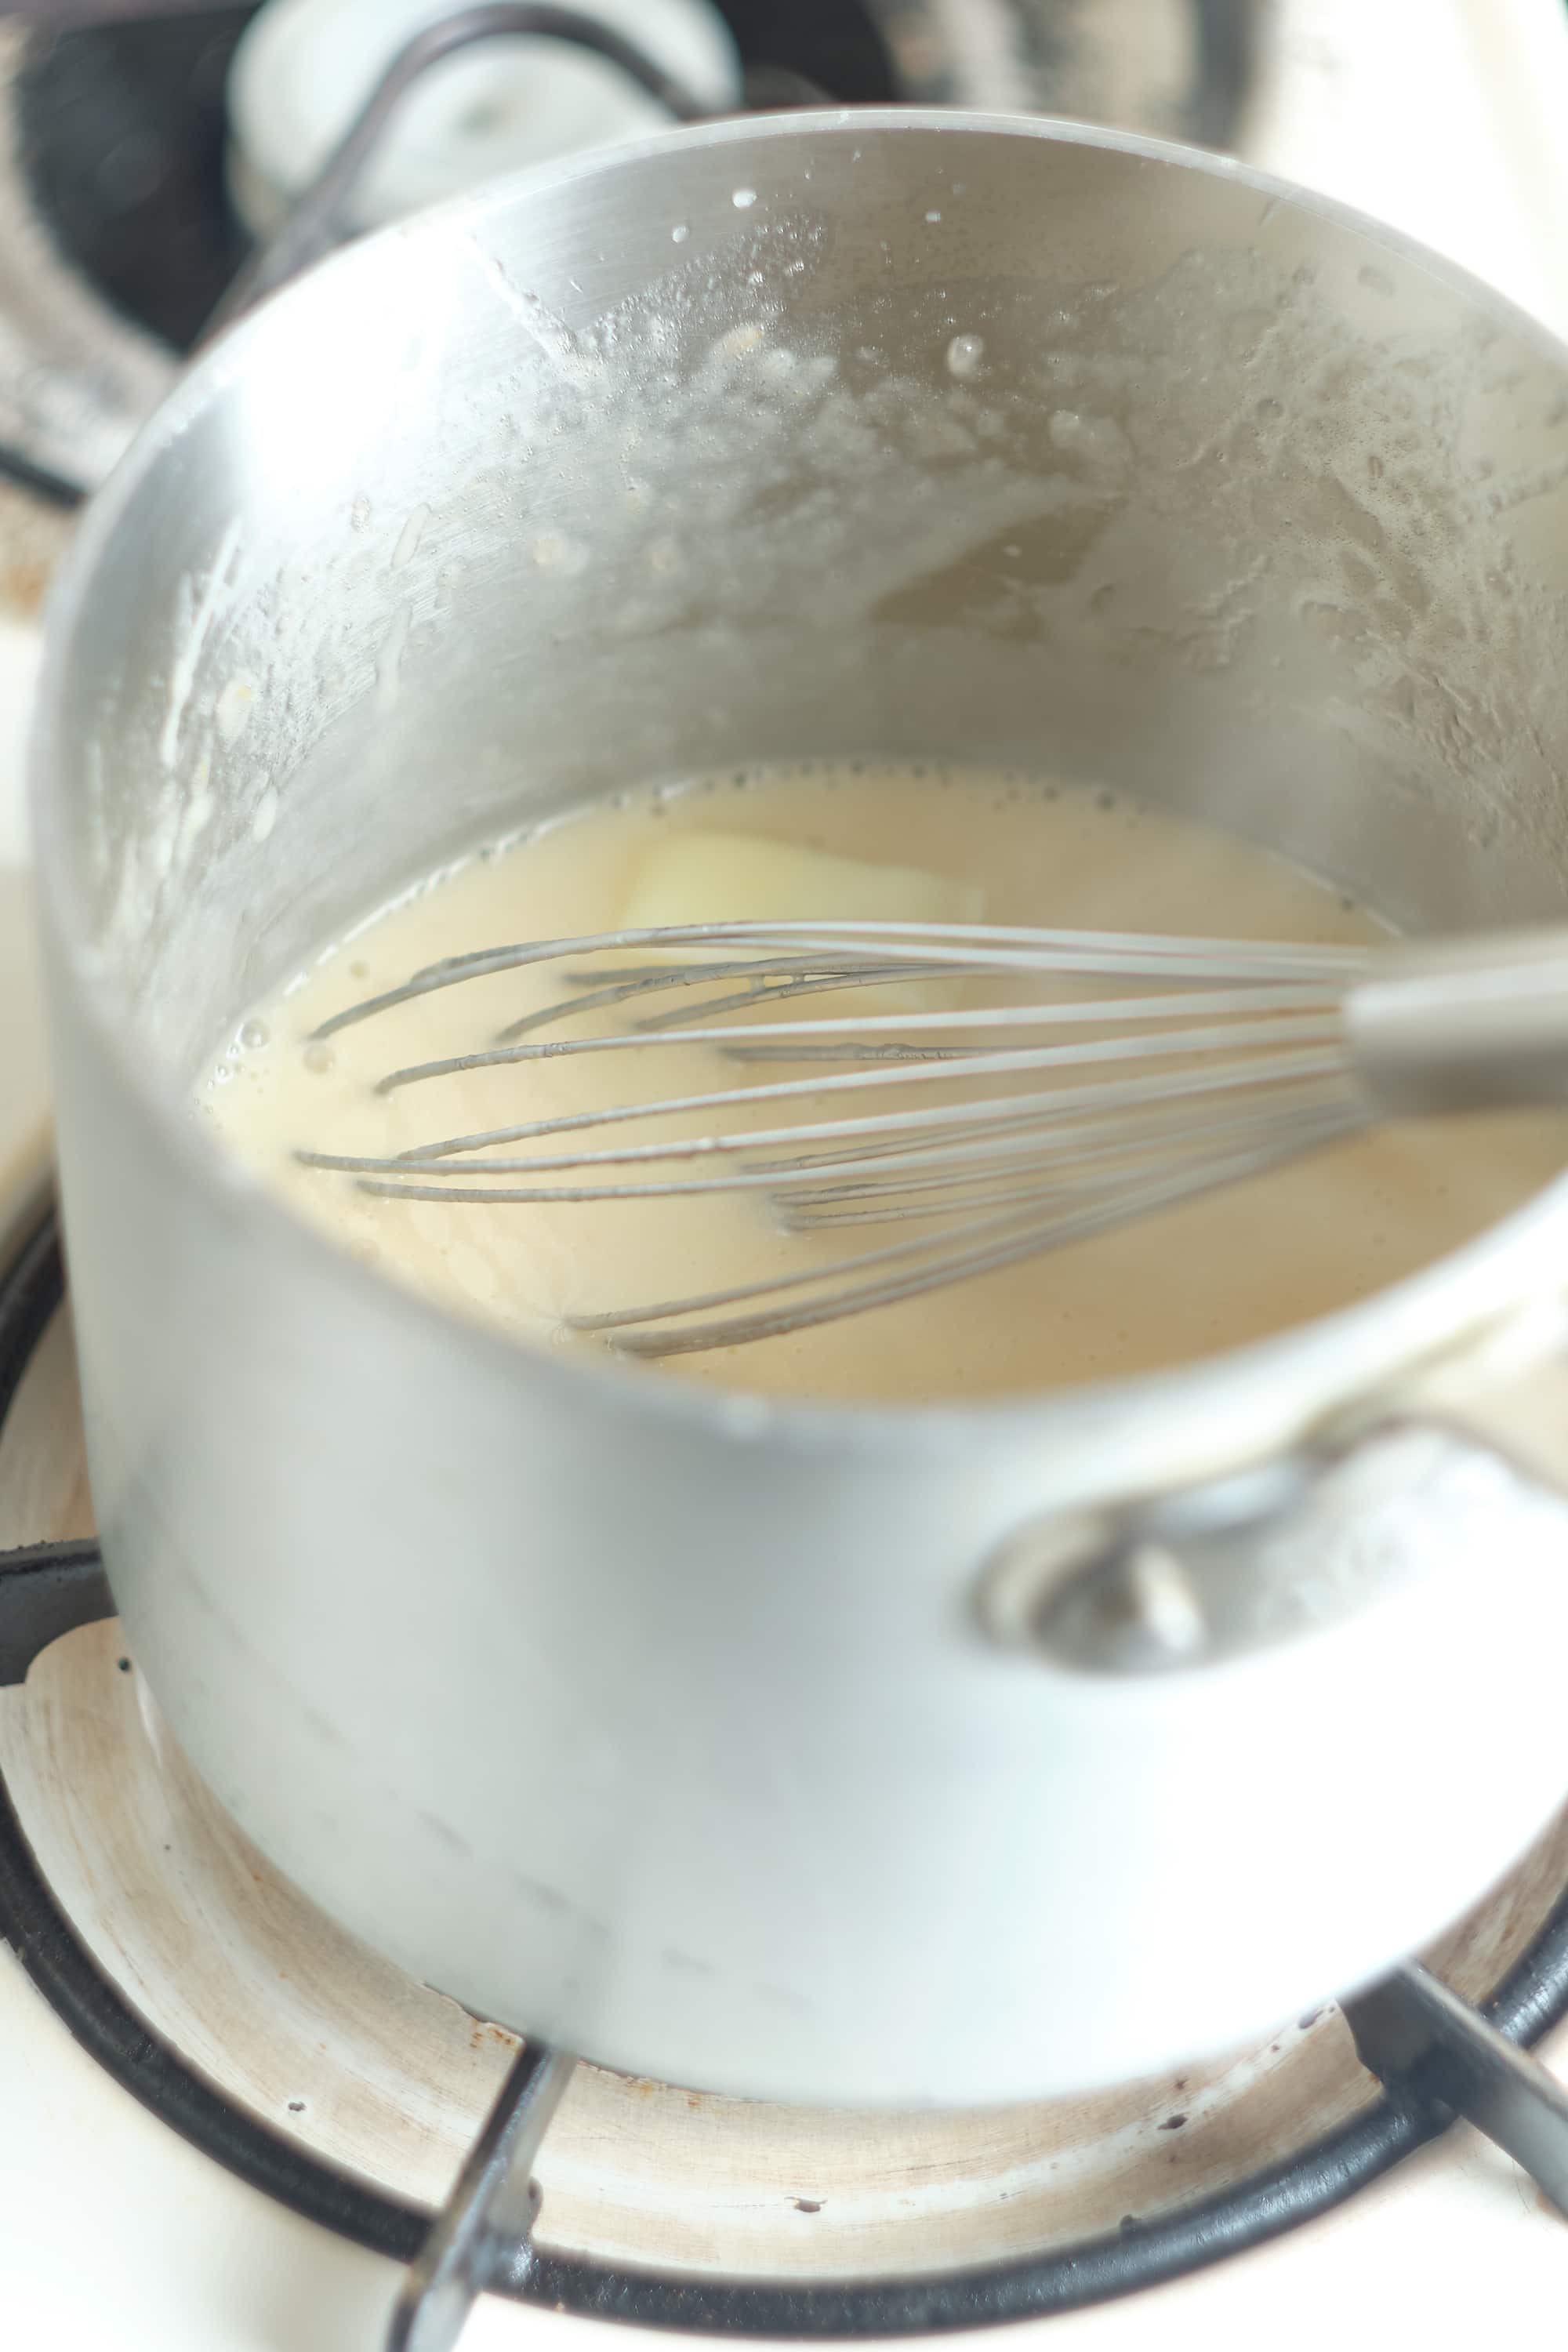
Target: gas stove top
296 2109
119 233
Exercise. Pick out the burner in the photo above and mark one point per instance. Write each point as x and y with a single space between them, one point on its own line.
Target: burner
118 239
316 2071
121 131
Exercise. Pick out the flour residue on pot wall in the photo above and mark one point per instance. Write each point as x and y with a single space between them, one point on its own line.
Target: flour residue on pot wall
1228 534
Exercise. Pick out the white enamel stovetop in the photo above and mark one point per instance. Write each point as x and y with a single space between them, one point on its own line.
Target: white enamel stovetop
1447 118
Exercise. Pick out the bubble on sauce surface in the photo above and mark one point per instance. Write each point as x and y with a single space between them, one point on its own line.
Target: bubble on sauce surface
254 1034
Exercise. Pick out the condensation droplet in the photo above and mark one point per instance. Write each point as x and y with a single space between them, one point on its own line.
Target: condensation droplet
233 708
737 343
933 217
409 536
266 816
254 1035
744 199
965 356
553 551
679 233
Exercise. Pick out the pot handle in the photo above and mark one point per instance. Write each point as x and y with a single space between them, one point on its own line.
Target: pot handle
1245 1561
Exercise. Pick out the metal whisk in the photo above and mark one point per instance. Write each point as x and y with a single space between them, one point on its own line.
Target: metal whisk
1086 1078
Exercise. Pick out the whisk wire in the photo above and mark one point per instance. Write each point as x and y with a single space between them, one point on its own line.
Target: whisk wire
1016 1239
969 950
1137 1073
1051 1108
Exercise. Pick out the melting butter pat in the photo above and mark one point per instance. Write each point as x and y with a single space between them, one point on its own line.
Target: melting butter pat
740 877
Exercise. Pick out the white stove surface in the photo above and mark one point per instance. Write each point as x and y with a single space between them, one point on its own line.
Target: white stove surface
1445 117
115 2234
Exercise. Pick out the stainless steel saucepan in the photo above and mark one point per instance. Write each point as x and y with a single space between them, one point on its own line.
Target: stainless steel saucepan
881 1756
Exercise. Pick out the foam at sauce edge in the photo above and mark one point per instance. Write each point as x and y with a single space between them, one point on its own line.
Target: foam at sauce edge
1211 1275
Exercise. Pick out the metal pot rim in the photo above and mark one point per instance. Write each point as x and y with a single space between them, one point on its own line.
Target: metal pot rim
1263 1393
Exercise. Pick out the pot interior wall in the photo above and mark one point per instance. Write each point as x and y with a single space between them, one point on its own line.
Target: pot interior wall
912 439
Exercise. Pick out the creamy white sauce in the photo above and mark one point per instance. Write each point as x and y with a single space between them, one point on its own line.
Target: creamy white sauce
1208 1276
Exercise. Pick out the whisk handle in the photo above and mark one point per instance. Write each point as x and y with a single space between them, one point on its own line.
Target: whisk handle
1467 1025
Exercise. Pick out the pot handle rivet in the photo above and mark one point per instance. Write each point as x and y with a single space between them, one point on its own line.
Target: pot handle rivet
1090 1595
